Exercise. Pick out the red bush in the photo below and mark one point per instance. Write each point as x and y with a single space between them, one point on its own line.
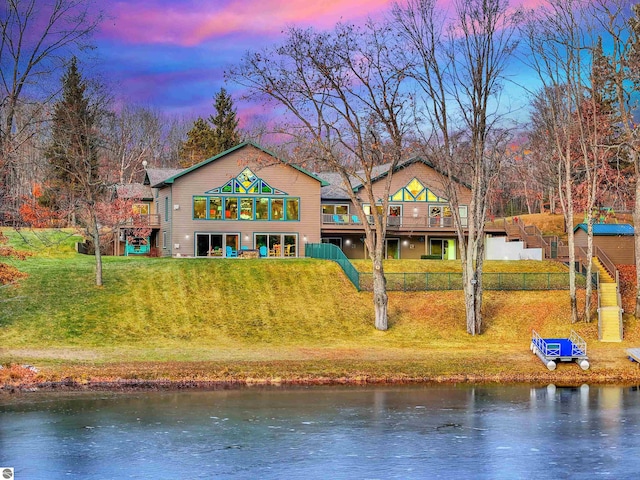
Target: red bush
628 287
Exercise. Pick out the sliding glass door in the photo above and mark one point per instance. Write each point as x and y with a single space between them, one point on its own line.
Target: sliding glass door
214 244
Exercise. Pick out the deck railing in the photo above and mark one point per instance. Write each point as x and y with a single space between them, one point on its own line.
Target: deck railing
328 251
578 345
408 221
531 236
143 221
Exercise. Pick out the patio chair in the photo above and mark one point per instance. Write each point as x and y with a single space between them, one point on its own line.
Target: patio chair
263 251
231 252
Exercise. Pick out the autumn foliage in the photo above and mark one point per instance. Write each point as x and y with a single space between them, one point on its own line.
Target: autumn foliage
17 374
628 286
33 213
9 273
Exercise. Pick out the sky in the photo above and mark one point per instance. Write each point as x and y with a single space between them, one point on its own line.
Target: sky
172 55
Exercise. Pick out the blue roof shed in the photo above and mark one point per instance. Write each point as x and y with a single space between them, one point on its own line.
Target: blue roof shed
615 240
607 228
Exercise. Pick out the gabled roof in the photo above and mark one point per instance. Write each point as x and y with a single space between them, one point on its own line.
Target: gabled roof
384 169
136 191
171 179
336 191
611 229
155 176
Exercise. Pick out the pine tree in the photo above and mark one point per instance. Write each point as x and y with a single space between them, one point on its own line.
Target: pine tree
73 156
72 153
199 144
225 123
210 137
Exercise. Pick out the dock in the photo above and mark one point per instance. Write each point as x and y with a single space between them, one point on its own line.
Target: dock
553 350
634 354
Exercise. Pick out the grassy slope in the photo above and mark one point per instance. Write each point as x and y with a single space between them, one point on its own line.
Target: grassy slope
221 319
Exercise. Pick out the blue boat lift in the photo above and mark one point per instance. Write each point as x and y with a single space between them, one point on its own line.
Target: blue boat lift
553 350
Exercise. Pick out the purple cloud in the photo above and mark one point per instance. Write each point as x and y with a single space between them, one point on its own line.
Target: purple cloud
194 22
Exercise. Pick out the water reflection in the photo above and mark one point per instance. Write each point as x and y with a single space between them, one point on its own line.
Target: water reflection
340 433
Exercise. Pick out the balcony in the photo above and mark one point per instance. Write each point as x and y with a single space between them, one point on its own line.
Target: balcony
393 222
143 221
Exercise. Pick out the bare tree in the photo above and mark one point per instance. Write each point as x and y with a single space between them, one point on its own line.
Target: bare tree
342 91
35 39
573 111
459 65
131 135
31 135
619 24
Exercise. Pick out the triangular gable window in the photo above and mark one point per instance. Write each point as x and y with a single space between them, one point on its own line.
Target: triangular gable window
247 183
415 191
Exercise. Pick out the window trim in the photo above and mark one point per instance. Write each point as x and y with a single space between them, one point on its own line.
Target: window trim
254 202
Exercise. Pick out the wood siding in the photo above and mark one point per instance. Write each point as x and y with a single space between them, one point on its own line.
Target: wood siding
412 232
619 248
415 215
183 226
428 176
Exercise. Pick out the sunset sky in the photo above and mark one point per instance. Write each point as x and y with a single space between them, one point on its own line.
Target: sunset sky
172 54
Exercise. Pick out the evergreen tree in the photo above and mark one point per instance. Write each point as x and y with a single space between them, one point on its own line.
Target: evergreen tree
225 123
75 180
210 137
199 144
72 153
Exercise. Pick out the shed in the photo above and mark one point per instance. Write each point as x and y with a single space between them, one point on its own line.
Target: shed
616 240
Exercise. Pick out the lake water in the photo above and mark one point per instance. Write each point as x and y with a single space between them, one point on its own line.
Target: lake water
412 432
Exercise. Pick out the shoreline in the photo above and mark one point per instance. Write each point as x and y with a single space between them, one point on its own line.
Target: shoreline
566 379
88 370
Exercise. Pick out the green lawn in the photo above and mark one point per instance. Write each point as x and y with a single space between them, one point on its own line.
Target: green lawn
235 318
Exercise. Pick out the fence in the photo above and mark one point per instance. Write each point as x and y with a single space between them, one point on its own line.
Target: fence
420 282
329 251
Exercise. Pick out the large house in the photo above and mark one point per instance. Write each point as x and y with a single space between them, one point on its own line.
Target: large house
419 217
248 201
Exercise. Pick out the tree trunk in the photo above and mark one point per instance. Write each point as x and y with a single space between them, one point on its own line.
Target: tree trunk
380 298
472 288
588 287
98 263
636 230
526 199
95 233
567 208
572 269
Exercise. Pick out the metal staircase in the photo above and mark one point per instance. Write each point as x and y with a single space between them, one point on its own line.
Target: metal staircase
609 304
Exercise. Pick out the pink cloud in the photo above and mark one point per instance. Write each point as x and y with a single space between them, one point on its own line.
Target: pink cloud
193 22
190 24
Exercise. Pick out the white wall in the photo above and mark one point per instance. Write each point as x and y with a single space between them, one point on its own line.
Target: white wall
497 248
